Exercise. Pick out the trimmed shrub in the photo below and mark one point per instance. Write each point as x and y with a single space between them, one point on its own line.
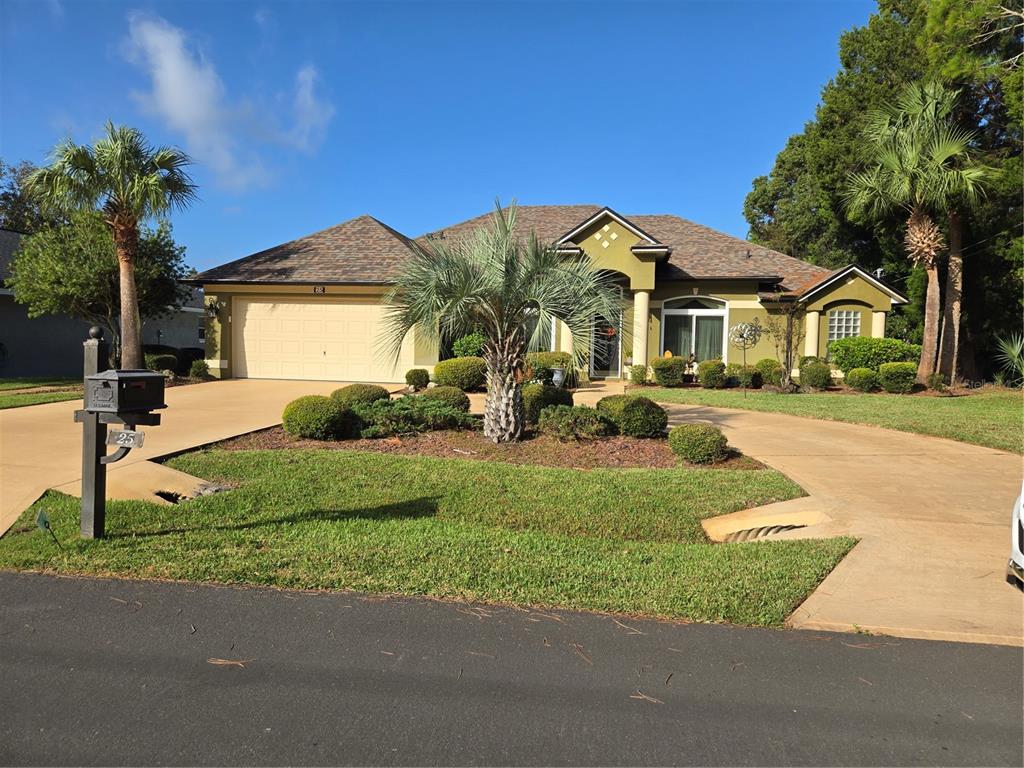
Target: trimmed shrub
541 374
642 417
186 356
540 367
470 345
417 378
638 374
450 396
869 352
897 378
937 381
318 418
537 397
359 394
408 415
808 359
669 371
862 379
711 374
161 362
815 374
736 375
612 405
770 370
574 422
698 443
466 373
199 370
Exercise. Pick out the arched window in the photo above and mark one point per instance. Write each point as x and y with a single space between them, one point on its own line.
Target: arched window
694 325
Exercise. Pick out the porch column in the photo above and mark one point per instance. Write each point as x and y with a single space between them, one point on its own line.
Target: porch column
878 324
641 318
811 334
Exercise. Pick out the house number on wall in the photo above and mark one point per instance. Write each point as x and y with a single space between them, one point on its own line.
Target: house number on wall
319 289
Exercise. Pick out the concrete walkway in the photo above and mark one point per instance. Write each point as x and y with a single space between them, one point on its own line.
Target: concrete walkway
40 445
933 517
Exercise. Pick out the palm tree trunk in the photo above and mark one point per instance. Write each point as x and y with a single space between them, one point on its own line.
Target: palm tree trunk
930 342
126 240
950 347
503 410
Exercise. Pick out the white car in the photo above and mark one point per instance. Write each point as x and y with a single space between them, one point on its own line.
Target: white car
1015 568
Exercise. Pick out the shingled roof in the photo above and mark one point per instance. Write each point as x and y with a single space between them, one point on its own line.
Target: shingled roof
364 250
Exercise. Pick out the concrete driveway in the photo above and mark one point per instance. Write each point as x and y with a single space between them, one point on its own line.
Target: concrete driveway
933 517
40 445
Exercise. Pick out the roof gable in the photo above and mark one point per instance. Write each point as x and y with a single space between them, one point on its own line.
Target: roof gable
596 218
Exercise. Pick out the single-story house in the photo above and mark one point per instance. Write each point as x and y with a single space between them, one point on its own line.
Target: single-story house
312 308
51 345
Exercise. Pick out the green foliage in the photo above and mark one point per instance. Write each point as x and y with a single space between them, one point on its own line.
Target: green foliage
417 378
641 417
20 211
450 396
573 422
612 405
470 345
408 415
698 443
711 374
770 370
897 378
199 369
316 417
738 375
540 367
359 394
537 397
186 356
161 362
808 359
815 374
669 371
638 374
1010 359
862 379
466 373
937 381
868 352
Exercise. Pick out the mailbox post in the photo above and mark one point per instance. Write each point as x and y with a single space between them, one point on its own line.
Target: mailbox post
111 397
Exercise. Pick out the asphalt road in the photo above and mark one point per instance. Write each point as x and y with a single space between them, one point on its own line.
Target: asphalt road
119 672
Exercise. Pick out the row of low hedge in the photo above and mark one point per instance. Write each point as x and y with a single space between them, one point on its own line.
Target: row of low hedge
872 353
160 357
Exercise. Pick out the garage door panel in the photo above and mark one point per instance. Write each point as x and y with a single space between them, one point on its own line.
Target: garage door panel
316 340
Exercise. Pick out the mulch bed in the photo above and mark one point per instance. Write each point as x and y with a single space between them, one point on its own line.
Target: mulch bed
609 452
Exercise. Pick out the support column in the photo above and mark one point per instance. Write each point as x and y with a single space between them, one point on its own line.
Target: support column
811 334
878 324
641 320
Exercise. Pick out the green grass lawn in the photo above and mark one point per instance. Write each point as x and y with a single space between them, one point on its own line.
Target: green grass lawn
992 418
38 381
625 541
36 398
9 399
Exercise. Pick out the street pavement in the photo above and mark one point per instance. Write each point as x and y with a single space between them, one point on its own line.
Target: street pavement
146 673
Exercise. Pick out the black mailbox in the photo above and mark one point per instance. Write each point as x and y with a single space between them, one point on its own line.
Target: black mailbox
124 392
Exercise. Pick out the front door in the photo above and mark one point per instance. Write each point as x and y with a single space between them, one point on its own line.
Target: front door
605 348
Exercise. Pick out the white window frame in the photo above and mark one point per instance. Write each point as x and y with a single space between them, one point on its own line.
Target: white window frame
843 320
723 313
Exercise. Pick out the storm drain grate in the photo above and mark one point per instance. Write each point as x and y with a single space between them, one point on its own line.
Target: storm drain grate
751 534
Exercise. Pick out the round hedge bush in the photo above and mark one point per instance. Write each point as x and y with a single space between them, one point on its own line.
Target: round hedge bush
770 370
466 373
871 352
359 394
574 422
163 362
537 397
897 378
862 379
451 396
199 369
698 443
318 418
815 374
669 371
711 374
642 417
638 374
417 378
612 405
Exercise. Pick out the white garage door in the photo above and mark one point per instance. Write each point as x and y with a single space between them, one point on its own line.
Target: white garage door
309 339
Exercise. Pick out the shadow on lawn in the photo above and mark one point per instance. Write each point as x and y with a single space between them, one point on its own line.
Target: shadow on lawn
425 506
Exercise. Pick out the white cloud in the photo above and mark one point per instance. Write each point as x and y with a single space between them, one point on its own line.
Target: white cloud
189 95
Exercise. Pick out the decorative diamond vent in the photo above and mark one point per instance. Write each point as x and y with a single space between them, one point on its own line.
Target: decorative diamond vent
604 237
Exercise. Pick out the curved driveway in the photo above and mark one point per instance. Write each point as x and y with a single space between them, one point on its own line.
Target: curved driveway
933 517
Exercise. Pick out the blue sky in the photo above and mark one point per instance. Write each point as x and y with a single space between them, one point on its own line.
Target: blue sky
303 114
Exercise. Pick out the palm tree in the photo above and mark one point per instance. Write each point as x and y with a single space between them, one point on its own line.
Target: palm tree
919 161
129 181
493 281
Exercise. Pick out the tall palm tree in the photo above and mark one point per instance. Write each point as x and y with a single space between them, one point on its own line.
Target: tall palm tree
919 161
129 181
494 281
